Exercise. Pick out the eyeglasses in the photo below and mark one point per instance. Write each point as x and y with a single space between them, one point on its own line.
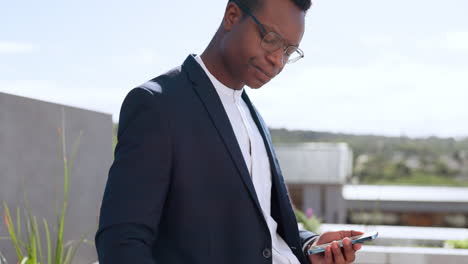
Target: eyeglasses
272 41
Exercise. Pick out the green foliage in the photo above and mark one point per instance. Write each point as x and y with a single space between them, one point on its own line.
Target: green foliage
372 144
29 251
419 179
388 159
114 136
461 244
311 223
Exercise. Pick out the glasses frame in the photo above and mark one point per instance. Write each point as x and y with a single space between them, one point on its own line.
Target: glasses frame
266 32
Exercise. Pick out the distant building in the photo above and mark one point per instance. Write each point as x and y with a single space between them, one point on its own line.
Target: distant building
318 174
413 162
451 163
407 205
315 174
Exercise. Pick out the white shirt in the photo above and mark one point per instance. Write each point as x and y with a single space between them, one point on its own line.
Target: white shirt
255 157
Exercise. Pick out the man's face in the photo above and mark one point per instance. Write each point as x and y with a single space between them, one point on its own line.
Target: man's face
246 59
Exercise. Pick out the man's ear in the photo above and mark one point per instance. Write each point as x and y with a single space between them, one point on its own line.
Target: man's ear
232 16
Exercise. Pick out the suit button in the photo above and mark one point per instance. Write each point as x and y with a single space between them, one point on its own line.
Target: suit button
266 253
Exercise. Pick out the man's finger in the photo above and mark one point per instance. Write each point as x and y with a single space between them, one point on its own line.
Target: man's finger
348 249
337 254
357 246
328 255
350 233
356 233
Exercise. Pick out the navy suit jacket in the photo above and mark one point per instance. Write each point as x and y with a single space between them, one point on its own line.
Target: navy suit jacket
179 190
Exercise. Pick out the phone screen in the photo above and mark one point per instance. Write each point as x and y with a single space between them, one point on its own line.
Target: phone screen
355 239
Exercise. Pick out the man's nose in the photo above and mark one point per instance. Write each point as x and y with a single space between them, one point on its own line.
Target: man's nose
276 58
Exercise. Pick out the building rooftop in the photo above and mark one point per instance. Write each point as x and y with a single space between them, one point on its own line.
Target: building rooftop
404 232
406 193
315 163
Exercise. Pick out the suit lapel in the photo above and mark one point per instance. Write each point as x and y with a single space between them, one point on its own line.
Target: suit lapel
281 208
208 95
279 188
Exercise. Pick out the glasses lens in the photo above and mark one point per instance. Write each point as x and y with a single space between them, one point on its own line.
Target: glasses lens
293 54
272 42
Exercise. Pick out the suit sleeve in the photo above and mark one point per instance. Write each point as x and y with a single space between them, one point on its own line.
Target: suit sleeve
137 184
307 238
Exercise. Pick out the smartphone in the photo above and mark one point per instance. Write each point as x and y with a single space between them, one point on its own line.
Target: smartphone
354 240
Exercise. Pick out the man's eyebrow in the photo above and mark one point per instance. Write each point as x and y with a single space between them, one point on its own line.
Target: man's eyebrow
273 28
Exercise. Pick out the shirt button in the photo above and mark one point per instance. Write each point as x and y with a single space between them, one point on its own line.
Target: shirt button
266 253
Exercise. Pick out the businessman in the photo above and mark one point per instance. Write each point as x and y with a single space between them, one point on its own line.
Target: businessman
195 177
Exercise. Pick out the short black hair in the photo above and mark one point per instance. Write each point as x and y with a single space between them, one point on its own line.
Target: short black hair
254 5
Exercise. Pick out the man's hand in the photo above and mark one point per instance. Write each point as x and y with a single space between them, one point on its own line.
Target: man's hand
334 254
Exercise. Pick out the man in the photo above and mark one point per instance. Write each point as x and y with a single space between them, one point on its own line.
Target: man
195 178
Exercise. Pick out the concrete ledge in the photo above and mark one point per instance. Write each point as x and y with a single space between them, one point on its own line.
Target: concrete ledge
413 255
404 232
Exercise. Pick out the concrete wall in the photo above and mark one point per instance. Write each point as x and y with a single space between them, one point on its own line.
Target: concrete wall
326 201
31 152
315 163
315 174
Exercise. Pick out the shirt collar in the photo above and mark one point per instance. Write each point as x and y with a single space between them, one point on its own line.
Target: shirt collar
219 86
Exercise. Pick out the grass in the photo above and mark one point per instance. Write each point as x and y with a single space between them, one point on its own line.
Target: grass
421 179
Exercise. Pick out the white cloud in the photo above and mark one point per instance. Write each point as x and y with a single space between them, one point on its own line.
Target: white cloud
456 40
377 40
25 86
392 96
105 100
15 47
137 57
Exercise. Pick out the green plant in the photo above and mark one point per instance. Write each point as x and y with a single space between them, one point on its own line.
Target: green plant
2 258
309 222
30 250
461 244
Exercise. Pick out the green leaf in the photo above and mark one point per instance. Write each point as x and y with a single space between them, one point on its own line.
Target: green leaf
33 250
11 231
29 236
18 221
38 237
66 174
80 242
68 254
49 245
2 258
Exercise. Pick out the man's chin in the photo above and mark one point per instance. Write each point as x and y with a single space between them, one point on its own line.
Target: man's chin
256 84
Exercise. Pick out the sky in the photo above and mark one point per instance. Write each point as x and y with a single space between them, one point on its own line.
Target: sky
370 67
